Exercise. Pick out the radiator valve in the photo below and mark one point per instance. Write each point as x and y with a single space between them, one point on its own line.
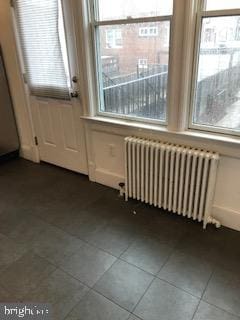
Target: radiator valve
122 188
212 221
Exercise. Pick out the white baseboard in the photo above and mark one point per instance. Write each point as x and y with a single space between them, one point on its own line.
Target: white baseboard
108 178
228 217
29 153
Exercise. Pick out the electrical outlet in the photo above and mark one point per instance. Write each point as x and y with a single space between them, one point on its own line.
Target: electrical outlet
112 150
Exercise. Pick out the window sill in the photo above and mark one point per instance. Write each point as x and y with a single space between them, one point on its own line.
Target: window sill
225 145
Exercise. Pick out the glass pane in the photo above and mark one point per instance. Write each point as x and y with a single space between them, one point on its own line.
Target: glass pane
134 65
218 84
122 9
222 4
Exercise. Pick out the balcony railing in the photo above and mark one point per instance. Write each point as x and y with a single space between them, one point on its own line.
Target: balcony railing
142 97
146 96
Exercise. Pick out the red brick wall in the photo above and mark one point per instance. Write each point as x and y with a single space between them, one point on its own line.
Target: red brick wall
134 47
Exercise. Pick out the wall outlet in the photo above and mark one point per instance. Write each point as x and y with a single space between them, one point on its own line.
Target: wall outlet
112 150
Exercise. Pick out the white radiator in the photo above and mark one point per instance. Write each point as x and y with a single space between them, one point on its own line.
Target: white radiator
177 178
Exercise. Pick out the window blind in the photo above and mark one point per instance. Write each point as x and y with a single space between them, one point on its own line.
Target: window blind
41 33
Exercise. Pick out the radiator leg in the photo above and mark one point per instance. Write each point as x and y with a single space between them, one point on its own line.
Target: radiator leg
212 221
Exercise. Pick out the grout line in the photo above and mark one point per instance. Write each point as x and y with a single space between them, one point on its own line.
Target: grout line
84 240
181 289
143 294
202 294
77 304
217 307
101 294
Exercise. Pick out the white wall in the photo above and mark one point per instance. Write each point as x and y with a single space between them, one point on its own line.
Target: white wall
106 164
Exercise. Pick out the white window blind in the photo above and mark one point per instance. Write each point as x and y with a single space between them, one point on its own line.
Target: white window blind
41 34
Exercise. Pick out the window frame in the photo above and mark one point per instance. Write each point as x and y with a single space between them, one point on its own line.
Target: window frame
201 14
95 23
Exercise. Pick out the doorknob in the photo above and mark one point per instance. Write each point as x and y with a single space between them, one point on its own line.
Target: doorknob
74 94
74 79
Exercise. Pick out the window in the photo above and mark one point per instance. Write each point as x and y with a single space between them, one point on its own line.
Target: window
42 39
137 88
114 38
148 32
216 92
142 63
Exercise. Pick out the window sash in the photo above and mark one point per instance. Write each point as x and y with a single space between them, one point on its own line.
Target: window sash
98 68
202 13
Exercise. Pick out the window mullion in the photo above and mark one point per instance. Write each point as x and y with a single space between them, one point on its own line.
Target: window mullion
176 62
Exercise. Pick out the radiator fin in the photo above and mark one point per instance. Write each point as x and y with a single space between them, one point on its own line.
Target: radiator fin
176 178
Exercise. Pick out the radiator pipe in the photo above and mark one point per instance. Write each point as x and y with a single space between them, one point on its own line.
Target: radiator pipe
212 221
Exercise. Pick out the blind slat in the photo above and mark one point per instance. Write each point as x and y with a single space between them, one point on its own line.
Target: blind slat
41 32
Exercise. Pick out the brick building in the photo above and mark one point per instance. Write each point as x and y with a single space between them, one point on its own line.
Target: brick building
132 48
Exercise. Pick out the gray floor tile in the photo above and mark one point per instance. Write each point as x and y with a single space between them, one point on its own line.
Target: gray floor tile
124 284
206 311
223 291
114 238
200 243
25 274
95 213
81 223
148 253
96 307
164 301
10 251
10 219
187 272
4 295
60 290
88 264
132 317
26 229
55 245
168 227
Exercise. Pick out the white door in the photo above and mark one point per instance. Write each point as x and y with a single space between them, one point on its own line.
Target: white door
58 127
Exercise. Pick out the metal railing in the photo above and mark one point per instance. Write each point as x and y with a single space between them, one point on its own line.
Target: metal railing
144 96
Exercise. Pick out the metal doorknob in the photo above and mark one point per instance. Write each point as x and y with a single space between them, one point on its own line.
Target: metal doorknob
74 79
74 94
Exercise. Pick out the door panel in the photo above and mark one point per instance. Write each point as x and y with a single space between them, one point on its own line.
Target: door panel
45 119
67 124
57 128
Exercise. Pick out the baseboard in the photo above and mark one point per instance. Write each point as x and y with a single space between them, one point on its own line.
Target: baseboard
228 218
29 153
108 178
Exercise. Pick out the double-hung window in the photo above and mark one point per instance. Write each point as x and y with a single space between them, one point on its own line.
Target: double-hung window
125 32
216 85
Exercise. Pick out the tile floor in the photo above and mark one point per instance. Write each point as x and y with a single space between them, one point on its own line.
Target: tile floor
93 256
